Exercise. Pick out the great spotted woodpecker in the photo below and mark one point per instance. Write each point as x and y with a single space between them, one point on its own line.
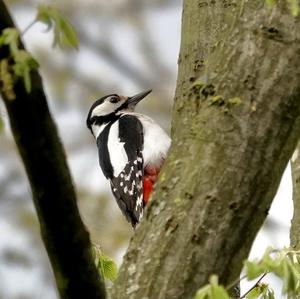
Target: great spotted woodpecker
132 149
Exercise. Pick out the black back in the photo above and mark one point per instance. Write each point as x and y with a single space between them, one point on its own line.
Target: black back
127 186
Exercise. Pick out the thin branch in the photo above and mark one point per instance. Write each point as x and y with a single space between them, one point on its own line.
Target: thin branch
235 282
28 27
256 284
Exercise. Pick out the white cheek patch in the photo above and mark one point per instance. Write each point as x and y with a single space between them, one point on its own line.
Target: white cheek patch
105 108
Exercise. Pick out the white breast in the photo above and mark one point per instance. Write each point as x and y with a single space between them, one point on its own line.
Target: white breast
156 142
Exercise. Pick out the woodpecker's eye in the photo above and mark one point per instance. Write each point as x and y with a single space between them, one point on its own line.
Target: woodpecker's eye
114 99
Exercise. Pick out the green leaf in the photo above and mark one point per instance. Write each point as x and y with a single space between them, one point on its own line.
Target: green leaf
105 265
203 293
69 36
254 269
24 63
255 293
269 2
212 290
268 294
20 66
291 277
218 292
64 33
43 16
294 7
10 38
108 267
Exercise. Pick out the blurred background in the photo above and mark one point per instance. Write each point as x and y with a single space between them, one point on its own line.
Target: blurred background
126 46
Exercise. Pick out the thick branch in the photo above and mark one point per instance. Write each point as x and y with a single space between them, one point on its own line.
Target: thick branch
227 157
65 237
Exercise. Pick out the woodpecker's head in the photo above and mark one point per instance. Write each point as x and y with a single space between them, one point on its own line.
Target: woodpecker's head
106 109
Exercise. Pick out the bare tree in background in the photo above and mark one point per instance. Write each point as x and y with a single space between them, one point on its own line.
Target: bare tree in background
235 125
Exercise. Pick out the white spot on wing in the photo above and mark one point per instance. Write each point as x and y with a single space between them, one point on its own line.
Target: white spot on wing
128 176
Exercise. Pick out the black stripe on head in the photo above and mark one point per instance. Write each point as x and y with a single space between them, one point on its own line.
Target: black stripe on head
89 120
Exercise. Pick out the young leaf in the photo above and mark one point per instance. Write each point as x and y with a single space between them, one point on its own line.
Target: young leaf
269 2
24 63
212 290
268 294
44 16
105 265
203 293
254 269
10 38
254 293
64 34
69 37
108 267
290 278
218 292
294 7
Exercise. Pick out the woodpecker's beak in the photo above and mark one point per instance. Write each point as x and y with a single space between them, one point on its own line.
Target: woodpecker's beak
132 101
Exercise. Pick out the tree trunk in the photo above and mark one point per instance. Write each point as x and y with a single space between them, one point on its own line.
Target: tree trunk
295 228
65 237
235 125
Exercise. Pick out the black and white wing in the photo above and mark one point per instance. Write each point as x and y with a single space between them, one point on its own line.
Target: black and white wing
120 154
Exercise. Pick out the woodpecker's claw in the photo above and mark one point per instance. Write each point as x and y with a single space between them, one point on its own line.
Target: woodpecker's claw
132 101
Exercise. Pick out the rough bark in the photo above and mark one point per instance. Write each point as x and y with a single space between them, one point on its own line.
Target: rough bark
295 228
227 157
64 235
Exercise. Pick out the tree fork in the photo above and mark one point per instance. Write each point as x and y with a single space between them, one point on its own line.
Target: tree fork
235 124
65 237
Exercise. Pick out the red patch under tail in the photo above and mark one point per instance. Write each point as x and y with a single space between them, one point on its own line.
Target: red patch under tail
147 188
150 177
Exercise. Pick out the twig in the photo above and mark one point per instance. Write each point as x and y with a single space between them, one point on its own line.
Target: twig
256 284
28 27
235 282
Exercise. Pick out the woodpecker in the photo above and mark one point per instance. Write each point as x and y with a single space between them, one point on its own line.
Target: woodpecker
132 148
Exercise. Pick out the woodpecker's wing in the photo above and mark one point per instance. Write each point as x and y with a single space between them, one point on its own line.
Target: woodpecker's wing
122 144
